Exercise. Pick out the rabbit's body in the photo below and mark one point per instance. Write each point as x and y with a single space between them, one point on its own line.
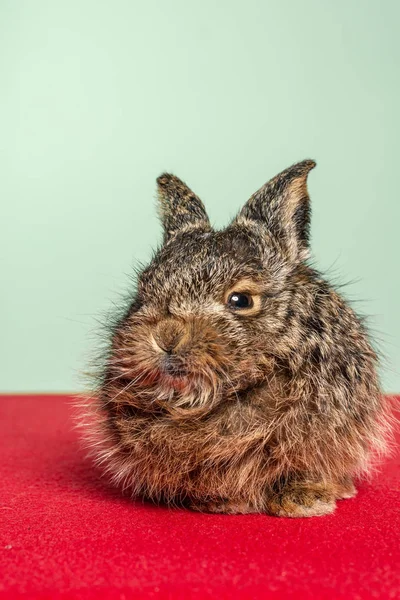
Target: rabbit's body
239 380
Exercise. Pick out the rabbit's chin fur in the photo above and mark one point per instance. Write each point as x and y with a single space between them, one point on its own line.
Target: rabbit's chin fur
271 407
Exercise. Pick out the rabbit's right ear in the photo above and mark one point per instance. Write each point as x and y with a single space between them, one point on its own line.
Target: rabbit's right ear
179 207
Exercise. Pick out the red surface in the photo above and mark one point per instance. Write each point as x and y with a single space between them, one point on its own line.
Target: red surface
65 534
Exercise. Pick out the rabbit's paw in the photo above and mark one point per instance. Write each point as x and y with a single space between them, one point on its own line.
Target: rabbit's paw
302 500
345 489
227 507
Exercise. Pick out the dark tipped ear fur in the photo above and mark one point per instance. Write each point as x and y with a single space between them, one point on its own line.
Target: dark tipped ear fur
179 207
283 206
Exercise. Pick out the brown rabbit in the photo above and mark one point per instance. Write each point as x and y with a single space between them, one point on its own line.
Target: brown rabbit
238 380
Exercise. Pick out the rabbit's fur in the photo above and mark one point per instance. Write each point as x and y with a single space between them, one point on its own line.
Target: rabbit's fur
274 407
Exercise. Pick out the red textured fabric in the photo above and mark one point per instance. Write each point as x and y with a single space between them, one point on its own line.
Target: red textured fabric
65 534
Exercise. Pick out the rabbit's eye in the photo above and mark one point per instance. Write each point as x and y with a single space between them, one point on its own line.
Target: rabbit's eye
238 300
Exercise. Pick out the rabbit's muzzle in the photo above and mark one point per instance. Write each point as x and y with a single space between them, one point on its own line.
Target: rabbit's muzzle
169 335
185 348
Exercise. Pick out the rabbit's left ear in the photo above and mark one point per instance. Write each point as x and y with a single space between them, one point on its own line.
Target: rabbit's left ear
179 207
282 207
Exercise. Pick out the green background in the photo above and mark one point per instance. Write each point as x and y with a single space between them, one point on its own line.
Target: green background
99 97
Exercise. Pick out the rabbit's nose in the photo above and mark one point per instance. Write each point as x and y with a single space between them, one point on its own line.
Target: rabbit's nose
168 335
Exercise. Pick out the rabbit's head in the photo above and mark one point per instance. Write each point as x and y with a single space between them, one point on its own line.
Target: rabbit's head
211 307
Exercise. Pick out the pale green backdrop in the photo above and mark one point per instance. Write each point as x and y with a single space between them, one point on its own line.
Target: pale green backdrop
98 97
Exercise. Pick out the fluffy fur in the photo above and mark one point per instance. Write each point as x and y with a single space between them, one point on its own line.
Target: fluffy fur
274 407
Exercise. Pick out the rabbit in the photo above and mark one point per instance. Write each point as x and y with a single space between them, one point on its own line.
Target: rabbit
238 380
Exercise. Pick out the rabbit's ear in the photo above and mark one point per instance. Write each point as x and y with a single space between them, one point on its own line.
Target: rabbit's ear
282 206
179 207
